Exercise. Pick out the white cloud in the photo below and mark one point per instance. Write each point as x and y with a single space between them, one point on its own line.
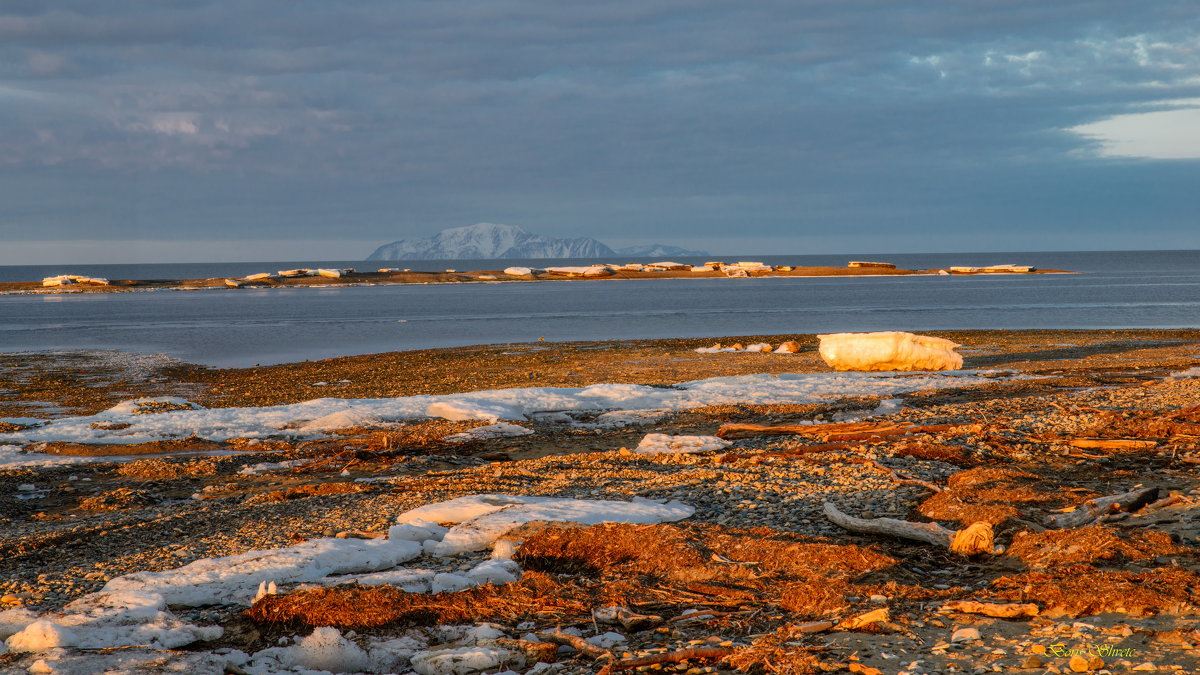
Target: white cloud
1160 134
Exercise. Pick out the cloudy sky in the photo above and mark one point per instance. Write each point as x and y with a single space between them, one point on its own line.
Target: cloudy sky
173 130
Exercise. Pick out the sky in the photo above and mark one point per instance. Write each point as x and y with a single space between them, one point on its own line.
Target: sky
206 130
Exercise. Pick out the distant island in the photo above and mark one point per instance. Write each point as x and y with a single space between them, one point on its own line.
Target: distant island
490 241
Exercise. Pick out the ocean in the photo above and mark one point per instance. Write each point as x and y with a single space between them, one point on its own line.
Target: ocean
1115 289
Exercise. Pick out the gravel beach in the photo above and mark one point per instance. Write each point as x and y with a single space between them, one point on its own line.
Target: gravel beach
1070 416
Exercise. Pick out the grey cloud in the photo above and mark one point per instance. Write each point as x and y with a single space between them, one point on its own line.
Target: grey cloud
674 112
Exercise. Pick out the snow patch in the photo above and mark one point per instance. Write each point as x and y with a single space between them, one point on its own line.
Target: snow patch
236 578
489 405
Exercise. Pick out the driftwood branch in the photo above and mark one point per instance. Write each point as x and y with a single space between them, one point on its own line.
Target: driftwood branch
579 644
547 652
1111 443
1091 510
627 618
863 620
973 540
1006 610
669 657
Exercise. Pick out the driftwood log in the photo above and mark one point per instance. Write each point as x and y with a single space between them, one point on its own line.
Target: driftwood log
628 619
579 644
1092 510
999 610
847 431
975 539
1111 443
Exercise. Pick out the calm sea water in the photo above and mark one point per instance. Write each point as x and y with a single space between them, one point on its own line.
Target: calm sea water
1132 289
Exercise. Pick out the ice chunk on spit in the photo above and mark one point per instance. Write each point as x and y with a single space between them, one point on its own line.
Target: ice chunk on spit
889 350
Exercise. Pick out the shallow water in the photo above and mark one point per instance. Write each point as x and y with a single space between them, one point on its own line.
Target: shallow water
275 325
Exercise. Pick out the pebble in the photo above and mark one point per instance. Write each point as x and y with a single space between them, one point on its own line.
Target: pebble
965 635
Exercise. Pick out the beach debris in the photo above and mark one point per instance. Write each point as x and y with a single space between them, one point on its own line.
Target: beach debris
864 263
667 444
975 539
888 350
1095 509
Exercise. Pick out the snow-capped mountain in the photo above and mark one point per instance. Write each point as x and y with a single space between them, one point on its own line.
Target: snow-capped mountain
488 240
659 251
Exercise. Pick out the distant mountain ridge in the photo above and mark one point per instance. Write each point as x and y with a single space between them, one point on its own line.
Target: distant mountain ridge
658 251
486 241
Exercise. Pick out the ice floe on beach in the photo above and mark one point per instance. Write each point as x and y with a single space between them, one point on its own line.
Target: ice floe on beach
130 421
498 430
653 444
132 611
482 519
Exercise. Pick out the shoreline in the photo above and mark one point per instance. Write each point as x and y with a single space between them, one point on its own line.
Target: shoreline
1002 451
474 276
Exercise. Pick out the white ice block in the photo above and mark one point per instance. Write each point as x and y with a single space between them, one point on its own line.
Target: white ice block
889 350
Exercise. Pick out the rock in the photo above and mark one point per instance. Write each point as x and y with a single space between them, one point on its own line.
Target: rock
608 640
1145 666
1032 661
789 347
1084 664
965 635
